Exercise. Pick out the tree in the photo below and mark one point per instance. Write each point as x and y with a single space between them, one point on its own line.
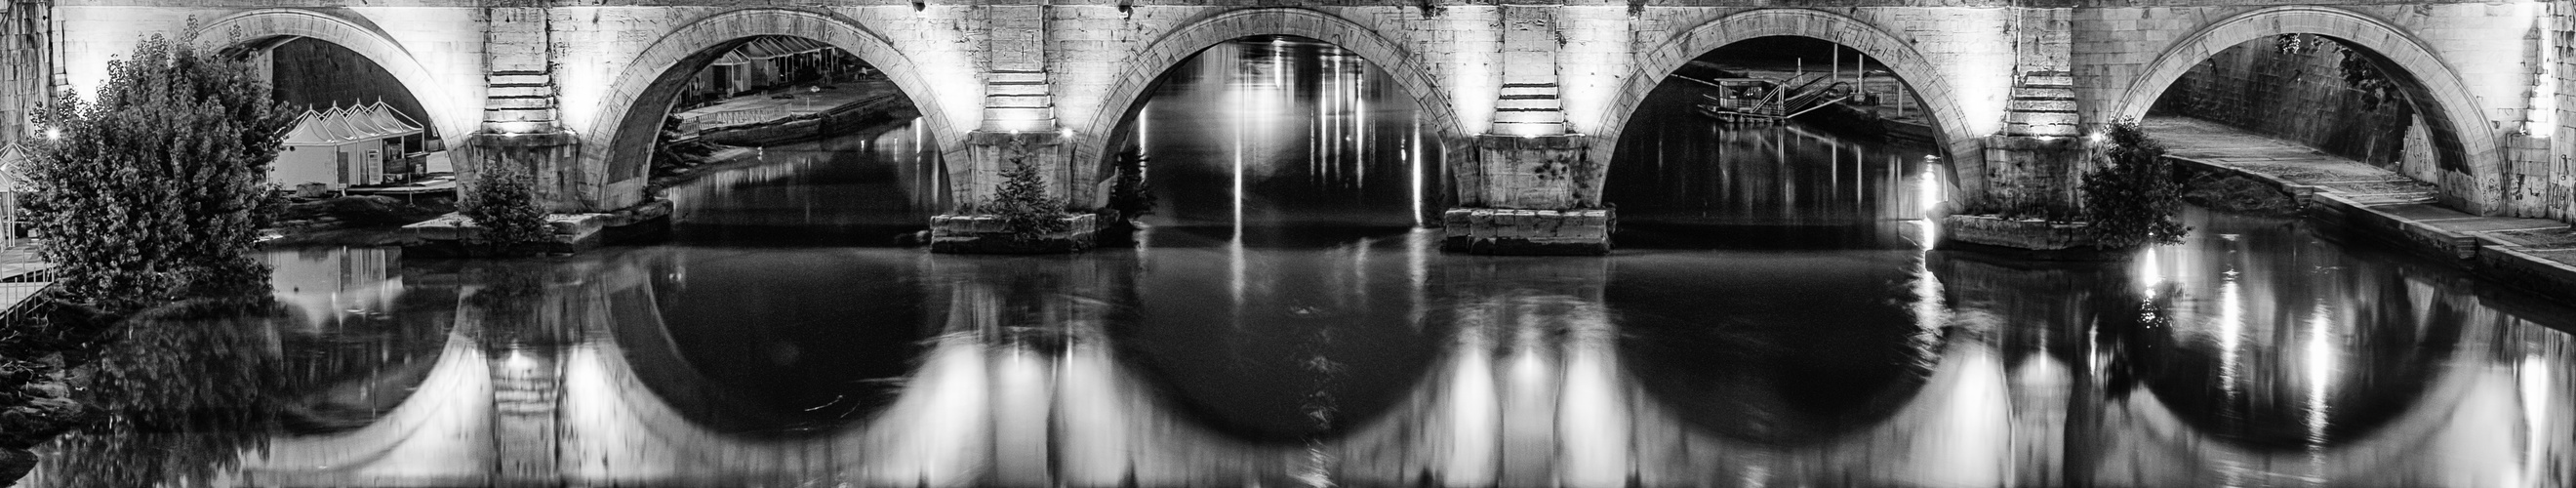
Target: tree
1024 205
2131 198
149 191
504 206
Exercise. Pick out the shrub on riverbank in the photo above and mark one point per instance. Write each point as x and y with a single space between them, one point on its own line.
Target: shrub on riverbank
2131 198
150 189
1024 205
504 205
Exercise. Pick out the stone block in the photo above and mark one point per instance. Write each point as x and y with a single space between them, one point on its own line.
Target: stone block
987 234
2033 235
1526 232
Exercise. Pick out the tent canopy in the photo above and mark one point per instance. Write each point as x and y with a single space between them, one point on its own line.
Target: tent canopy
353 124
13 168
765 47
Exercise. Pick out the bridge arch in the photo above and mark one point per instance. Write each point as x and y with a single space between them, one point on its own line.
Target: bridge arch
629 114
1961 144
2453 119
1177 45
450 112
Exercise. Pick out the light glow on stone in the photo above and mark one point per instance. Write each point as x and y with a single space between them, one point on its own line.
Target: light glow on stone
2542 118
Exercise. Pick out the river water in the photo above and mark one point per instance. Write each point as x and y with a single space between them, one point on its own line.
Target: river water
1320 341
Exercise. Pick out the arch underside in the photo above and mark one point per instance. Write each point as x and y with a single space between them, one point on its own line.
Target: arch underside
2454 120
262 29
1961 145
618 144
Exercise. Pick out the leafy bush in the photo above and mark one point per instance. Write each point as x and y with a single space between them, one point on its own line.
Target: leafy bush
150 190
504 205
2131 196
1024 205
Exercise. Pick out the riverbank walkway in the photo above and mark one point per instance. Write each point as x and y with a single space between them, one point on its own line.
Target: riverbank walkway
761 108
17 263
2535 253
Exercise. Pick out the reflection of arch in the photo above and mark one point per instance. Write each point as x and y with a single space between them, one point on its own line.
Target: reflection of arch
1181 44
2452 119
258 28
622 137
1962 145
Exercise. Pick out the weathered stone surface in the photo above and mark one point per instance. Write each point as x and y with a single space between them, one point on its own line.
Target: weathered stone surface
2017 234
1570 74
986 234
1526 232
570 232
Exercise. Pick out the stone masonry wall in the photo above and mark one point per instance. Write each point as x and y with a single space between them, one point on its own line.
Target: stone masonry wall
2477 55
2295 90
320 75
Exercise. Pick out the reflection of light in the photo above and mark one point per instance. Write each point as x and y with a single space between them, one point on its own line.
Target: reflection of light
519 360
1928 195
2535 375
1238 165
2231 325
1413 157
2321 364
2149 273
1474 415
54 133
1592 423
2543 113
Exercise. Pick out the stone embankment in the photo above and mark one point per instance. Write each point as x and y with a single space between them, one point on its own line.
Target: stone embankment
2535 254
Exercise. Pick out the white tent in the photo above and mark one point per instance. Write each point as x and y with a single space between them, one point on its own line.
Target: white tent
344 146
13 188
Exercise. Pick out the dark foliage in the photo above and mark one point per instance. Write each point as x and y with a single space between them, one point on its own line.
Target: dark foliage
1023 203
2131 197
504 205
150 192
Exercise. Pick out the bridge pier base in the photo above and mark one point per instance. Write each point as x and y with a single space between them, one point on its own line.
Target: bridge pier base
1529 195
989 153
1526 232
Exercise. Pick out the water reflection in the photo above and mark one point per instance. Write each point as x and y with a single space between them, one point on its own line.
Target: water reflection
862 188
1274 131
2255 354
1684 180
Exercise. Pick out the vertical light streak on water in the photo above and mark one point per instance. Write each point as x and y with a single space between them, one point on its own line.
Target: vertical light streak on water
1359 117
1417 272
1413 156
1592 421
1237 132
1928 194
1320 150
1475 415
2231 332
2535 375
1837 173
2320 367
2150 272
1328 113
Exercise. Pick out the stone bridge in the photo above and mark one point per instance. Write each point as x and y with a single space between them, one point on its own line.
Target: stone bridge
1530 97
